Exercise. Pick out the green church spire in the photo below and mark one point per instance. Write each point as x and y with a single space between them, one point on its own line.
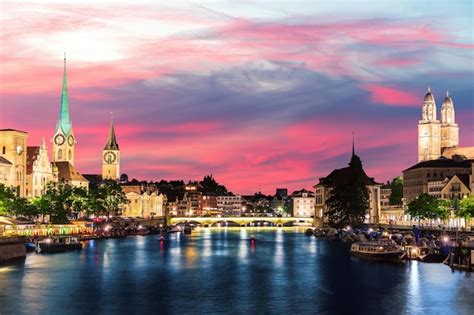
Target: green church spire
64 122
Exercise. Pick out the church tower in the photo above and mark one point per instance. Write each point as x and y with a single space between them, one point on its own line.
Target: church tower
449 128
429 147
111 156
63 139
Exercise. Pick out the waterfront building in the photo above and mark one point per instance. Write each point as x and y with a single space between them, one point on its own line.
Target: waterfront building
439 138
385 193
145 201
339 177
303 203
209 205
39 170
111 156
230 205
417 177
13 144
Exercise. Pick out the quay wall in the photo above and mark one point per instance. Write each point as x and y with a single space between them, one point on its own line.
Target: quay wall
12 248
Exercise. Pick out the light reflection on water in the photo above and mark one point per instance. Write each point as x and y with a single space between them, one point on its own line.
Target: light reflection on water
219 270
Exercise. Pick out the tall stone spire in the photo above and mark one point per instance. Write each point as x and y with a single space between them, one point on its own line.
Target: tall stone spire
112 139
64 121
353 147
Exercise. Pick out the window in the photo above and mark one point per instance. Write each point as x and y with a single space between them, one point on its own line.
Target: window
4 150
60 154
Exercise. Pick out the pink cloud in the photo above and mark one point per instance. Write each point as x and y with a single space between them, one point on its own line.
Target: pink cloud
391 96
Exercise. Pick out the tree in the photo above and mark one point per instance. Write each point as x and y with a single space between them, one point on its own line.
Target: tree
107 199
210 186
429 207
7 199
397 191
349 200
12 204
466 208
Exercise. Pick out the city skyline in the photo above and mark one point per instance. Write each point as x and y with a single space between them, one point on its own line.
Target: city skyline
262 109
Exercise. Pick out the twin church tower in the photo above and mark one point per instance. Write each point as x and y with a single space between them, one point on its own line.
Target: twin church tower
434 137
64 141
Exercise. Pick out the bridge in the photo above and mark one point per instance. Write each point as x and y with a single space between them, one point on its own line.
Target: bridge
240 221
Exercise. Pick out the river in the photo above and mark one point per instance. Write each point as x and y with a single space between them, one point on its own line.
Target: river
220 271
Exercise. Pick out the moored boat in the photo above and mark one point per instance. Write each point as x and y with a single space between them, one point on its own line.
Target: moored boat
58 244
377 250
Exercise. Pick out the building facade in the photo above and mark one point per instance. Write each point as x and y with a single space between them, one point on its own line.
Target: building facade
303 204
39 171
13 144
145 201
416 179
230 205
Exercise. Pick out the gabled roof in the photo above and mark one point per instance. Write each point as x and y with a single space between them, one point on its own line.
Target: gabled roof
14 130
463 178
441 163
67 172
5 161
342 175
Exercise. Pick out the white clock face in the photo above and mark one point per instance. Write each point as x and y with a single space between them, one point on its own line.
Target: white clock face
19 149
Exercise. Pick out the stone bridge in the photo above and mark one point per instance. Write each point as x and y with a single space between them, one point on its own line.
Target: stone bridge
240 221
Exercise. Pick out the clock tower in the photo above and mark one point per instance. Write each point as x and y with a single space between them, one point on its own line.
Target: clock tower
63 139
429 146
111 156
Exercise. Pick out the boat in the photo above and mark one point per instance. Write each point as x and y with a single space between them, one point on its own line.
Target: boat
30 246
187 229
378 250
58 244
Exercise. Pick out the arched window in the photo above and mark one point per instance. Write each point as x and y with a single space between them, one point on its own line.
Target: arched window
4 150
60 154
70 155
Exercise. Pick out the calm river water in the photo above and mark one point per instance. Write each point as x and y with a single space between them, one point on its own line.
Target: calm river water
219 271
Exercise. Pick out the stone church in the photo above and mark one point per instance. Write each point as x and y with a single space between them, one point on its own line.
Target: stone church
439 138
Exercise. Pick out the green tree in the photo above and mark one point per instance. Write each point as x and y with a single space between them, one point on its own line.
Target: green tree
7 200
210 185
107 199
12 204
466 208
397 191
429 207
349 200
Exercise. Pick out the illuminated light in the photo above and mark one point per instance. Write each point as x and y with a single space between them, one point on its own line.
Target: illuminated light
385 233
140 227
445 239
371 230
414 251
48 240
348 228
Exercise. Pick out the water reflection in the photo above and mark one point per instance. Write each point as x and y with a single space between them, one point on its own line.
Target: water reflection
219 271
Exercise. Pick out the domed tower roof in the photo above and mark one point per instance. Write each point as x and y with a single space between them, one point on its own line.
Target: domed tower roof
448 101
429 96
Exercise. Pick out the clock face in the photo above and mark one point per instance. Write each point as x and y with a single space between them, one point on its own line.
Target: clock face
59 139
109 157
19 149
70 140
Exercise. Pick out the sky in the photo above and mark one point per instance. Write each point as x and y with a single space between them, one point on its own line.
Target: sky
261 94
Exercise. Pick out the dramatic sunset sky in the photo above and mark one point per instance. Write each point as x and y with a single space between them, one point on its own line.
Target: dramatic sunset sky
262 94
